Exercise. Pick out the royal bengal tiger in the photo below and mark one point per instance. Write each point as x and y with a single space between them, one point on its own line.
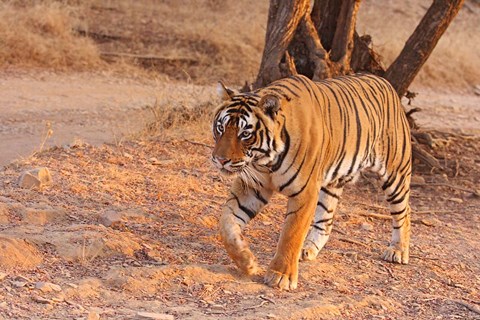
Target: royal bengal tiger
306 140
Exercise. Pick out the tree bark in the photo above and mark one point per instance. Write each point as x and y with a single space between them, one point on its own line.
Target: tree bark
421 43
342 45
283 19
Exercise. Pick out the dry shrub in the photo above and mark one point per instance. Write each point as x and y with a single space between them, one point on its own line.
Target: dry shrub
169 116
41 34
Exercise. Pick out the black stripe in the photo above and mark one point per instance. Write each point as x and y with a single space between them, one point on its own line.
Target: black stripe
401 199
282 155
319 228
259 196
286 184
306 183
329 193
395 213
323 220
250 213
319 203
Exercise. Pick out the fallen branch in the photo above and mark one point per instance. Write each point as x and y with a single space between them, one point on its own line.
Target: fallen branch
425 157
146 57
353 241
467 305
267 299
256 306
376 215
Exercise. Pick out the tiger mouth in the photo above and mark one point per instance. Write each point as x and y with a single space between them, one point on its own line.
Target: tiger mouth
230 172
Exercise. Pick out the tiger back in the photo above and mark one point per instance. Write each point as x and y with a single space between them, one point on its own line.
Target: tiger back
306 140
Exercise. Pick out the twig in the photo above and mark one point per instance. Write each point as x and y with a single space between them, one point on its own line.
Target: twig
374 206
198 143
467 305
443 184
425 257
376 215
389 271
431 211
267 299
256 306
353 241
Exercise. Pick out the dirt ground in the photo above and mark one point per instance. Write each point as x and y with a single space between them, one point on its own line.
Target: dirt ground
128 229
163 256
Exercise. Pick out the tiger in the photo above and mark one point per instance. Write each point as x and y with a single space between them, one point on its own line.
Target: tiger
306 140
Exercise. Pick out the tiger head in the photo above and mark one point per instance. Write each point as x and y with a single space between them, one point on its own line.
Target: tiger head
244 130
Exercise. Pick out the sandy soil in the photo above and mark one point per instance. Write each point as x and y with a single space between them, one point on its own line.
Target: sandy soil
94 108
163 254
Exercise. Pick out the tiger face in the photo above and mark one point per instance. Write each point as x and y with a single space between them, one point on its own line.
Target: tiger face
242 132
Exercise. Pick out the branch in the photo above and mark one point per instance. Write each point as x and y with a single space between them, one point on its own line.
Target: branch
421 43
342 45
283 19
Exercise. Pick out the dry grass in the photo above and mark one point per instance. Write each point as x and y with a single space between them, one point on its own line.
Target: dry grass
40 34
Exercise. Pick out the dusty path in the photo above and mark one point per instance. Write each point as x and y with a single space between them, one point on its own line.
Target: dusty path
91 107
99 108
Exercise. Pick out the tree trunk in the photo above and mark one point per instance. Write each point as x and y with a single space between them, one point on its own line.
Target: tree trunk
283 19
421 43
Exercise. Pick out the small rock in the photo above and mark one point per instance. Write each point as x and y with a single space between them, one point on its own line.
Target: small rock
41 300
431 222
72 285
457 200
367 226
417 179
35 178
111 218
3 276
92 315
47 287
352 255
476 90
217 307
271 316
19 284
155 316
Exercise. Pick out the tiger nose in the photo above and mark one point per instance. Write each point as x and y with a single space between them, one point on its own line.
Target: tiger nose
222 160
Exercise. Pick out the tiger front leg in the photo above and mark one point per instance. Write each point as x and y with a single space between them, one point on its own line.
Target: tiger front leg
283 270
242 206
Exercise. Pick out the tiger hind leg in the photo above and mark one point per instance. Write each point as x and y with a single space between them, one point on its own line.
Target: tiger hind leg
397 188
323 222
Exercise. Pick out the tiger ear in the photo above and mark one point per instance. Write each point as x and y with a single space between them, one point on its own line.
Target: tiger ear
223 92
270 104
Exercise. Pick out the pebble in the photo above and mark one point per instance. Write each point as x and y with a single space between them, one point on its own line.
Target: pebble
111 218
417 179
154 316
41 300
431 222
457 200
35 178
92 315
47 287
3 276
367 226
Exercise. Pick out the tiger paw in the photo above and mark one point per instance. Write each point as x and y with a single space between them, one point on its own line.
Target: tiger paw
280 280
245 260
309 251
396 255
282 276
